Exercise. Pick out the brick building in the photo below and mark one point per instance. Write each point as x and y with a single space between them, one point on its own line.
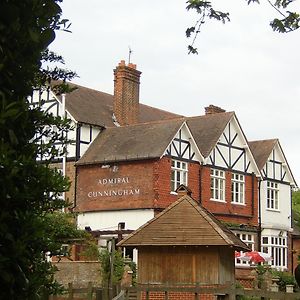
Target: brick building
130 158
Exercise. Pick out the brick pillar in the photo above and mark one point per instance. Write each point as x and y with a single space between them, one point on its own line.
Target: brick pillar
126 93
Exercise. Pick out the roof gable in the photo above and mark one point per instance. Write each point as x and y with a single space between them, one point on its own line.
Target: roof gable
222 142
134 142
261 150
183 145
271 160
183 223
49 103
208 129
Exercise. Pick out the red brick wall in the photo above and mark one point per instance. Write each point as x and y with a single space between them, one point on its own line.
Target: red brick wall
227 211
152 179
133 183
176 296
245 276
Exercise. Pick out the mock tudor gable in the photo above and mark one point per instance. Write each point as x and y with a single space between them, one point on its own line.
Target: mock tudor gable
183 146
271 160
222 142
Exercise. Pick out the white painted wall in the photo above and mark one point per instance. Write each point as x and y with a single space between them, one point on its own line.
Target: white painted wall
86 137
280 219
85 129
274 170
108 220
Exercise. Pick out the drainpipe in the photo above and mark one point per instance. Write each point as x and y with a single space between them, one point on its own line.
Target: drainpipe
64 158
252 194
259 216
75 190
291 203
200 183
289 235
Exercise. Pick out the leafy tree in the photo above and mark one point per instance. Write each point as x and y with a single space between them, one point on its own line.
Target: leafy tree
296 208
118 267
287 21
29 190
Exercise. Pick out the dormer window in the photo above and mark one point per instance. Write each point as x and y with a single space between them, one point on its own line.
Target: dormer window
179 171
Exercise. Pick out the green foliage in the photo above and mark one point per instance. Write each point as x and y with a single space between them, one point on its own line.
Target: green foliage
296 200
205 10
132 266
118 266
261 270
288 21
61 229
29 190
296 209
90 251
285 278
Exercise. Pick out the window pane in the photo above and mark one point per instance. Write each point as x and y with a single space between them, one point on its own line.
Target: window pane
217 185
178 174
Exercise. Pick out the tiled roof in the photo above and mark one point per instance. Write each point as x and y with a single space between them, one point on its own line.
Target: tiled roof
149 140
261 150
135 142
207 130
185 223
96 108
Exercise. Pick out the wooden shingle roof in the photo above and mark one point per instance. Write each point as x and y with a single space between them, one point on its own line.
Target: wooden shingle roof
207 130
135 142
96 108
261 150
184 223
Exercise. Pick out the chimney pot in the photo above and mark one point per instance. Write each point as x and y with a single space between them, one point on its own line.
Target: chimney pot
133 66
122 63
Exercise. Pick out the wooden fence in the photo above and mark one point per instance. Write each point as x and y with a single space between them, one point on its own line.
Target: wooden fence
228 292
88 293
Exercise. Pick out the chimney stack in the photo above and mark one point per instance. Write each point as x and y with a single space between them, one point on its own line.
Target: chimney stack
212 109
126 93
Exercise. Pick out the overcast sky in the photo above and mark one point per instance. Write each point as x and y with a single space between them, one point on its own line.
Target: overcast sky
242 66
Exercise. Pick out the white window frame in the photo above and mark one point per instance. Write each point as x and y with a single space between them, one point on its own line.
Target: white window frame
248 239
237 188
272 195
277 247
179 174
217 185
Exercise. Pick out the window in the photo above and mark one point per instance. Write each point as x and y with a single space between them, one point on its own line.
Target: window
276 246
272 195
217 185
179 172
237 188
248 239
